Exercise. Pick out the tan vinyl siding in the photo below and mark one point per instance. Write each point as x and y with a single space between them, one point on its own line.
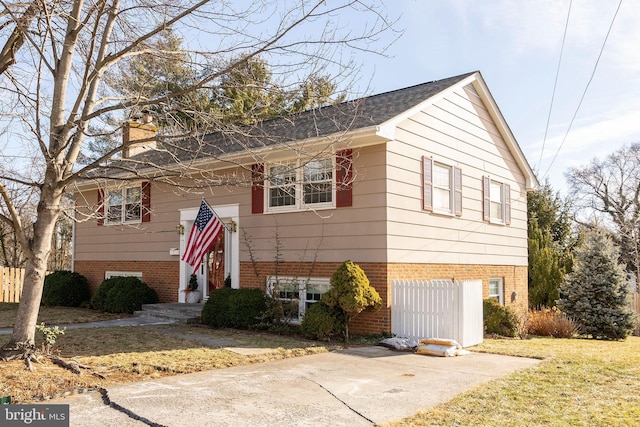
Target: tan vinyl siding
458 131
386 222
333 235
357 232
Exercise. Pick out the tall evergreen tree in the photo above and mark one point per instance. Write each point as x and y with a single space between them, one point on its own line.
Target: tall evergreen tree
596 294
550 243
546 270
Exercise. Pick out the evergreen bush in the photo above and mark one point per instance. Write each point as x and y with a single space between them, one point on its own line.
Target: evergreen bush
498 319
321 322
234 308
351 292
123 295
99 299
596 294
65 288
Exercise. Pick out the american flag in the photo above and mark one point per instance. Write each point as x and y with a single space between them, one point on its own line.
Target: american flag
203 235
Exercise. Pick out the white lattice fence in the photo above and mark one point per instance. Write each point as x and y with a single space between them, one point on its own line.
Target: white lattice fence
438 309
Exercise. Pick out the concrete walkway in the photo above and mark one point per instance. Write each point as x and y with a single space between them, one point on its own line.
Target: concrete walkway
127 321
355 387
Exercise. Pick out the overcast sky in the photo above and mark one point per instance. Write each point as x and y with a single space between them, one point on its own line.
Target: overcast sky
516 45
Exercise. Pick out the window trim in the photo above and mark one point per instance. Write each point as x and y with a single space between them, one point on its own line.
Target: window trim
111 274
298 166
500 295
505 201
302 283
144 202
429 187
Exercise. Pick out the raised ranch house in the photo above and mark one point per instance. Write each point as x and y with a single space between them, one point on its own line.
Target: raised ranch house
425 182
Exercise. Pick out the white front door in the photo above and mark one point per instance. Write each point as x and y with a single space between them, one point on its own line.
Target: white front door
227 256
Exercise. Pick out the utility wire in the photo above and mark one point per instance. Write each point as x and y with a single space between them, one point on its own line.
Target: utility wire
585 90
555 84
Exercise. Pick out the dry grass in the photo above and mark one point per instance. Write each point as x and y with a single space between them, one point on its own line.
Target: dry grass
55 315
127 354
580 383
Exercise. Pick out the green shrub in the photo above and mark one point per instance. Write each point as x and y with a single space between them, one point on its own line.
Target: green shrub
234 308
217 309
65 288
321 322
351 292
498 319
99 299
123 295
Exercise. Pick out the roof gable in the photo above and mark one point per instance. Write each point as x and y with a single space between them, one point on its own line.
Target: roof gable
477 82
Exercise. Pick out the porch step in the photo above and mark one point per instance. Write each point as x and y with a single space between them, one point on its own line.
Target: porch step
181 313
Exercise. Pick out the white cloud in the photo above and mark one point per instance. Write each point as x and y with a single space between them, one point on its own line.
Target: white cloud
596 137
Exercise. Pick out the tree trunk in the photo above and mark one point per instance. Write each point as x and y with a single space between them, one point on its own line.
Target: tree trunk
35 270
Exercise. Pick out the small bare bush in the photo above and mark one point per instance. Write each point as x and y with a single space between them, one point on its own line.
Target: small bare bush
551 323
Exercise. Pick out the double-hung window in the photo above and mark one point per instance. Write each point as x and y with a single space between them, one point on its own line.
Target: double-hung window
442 187
124 205
297 294
496 289
301 184
497 201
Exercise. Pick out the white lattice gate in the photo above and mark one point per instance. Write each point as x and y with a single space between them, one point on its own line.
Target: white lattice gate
438 309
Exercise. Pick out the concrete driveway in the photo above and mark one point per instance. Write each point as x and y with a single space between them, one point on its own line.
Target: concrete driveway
355 387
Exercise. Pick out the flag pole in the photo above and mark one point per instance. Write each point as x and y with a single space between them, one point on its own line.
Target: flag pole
226 226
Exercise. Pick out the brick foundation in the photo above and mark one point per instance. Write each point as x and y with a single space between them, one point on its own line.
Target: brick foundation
162 276
380 276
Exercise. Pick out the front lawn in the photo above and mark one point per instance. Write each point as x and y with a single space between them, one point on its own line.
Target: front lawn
56 315
579 383
128 354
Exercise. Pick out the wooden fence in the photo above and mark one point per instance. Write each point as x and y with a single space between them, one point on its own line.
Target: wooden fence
11 280
438 309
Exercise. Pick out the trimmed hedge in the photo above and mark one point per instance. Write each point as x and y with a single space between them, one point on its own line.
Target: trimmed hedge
234 308
321 322
498 319
123 295
65 288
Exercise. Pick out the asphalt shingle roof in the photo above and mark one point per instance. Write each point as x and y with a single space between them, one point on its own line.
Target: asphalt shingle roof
347 116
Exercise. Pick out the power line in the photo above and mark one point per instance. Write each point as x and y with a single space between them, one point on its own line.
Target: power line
585 89
555 84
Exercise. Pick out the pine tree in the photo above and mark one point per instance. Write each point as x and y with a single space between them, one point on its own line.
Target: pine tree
550 243
596 294
545 267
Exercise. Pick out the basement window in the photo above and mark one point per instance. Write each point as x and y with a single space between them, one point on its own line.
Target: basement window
297 294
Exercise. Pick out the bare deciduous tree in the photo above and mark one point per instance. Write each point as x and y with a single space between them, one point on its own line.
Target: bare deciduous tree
609 188
53 92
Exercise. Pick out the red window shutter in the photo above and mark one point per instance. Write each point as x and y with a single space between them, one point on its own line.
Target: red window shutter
427 183
486 197
100 206
344 178
146 201
507 203
257 188
457 186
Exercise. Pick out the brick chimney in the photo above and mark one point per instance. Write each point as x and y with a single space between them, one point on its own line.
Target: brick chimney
142 130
